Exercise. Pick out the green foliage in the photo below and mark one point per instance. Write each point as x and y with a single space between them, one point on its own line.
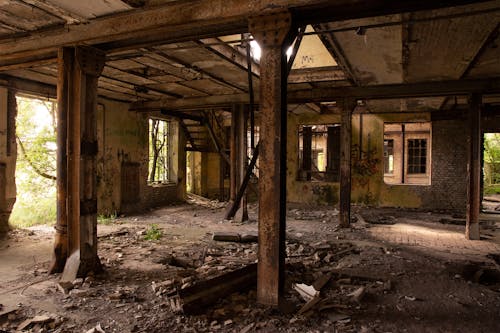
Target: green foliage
491 160
492 189
106 219
154 233
36 163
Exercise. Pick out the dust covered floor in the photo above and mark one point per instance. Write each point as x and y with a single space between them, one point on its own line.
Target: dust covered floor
393 271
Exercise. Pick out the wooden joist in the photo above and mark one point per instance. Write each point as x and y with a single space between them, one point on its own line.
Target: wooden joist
386 91
179 20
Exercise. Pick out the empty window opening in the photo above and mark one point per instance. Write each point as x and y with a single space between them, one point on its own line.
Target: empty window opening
389 156
491 172
407 153
159 158
319 152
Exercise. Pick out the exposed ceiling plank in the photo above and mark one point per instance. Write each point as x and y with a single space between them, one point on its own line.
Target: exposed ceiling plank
333 46
29 64
203 72
187 20
487 42
229 54
388 91
50 8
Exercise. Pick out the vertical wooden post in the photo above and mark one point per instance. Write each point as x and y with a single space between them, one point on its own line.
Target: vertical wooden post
233 168
306 151
474 169
242 150
333 154
65 61
348 106
75 245
273 33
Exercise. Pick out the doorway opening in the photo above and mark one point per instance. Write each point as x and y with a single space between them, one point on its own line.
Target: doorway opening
36 162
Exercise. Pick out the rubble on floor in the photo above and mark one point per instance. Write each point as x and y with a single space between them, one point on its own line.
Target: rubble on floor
340 280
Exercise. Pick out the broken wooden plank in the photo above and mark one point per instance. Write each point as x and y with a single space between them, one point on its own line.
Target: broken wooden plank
195 299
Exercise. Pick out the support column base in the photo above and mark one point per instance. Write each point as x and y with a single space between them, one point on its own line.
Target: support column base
472 231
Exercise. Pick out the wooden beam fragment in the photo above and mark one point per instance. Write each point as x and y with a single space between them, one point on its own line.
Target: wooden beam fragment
196 299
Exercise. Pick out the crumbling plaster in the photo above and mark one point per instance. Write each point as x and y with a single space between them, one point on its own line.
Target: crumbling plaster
123 138
446 190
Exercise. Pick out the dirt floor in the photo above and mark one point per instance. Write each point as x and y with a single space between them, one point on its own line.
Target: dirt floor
393 271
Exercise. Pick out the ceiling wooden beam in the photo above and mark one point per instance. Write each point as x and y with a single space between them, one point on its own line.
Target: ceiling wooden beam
27 86
317 74
50 8
209 18
388 91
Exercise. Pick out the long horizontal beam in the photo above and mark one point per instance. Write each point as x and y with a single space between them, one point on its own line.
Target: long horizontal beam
197 19
27 86
388 91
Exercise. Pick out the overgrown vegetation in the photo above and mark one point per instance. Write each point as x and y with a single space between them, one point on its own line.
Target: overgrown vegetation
154 233
36 163
492 163
106 219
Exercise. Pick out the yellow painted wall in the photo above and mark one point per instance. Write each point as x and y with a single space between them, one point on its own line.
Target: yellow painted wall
365 189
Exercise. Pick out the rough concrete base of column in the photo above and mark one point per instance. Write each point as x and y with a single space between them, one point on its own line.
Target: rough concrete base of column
472 231
4 224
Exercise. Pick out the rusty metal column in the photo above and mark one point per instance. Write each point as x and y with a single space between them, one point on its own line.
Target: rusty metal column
65 68
273 33
473 169
348 106
81 161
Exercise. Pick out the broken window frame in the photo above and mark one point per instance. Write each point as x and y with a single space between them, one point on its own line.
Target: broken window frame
404 172
329 169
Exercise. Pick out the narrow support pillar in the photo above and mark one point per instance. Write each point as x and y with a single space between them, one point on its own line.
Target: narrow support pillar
474 169
273 33
76 240
65 68
234 147
242 154
348 106
307 151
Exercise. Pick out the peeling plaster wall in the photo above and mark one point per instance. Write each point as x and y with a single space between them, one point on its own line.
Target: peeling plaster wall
123 140
206 174
7 160
326 193
448 181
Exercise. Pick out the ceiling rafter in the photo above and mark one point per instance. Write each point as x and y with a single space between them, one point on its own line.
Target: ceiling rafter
487 42
333 46
54 10
203 72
